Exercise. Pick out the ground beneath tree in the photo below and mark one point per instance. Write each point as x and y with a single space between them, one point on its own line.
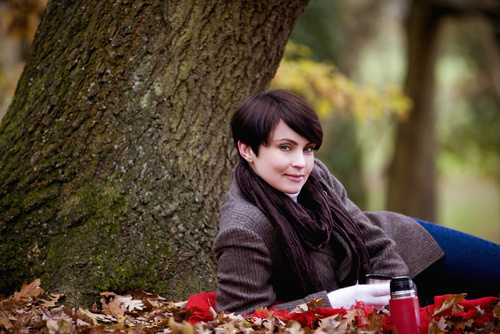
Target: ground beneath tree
33 310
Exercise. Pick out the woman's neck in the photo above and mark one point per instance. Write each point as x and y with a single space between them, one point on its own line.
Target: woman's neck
293 196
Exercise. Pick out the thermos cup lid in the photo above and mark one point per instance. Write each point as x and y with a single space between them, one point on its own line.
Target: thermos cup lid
401 283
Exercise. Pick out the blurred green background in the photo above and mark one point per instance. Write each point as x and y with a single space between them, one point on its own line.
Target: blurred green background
366 42
349 59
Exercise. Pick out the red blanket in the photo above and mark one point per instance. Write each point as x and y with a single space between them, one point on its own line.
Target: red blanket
477 312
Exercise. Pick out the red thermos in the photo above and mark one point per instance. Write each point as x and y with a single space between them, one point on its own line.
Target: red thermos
404 306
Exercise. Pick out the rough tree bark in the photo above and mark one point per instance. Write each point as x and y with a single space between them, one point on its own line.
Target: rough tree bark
115 152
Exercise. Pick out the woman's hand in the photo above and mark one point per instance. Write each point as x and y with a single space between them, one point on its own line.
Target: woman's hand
376 295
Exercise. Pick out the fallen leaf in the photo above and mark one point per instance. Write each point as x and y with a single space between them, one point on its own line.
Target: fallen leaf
59 326
374 324
5 321
128 304
27 291
300 308
115 309
142 312
435 327
496 310
330 325
441 324
460 325
295 328
450 302
350 316
52 302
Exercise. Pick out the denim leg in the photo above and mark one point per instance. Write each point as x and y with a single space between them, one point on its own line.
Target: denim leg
470 265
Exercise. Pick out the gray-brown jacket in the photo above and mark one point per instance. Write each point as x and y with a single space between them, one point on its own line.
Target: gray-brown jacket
253 270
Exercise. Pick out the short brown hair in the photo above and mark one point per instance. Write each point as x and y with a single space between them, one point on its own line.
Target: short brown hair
258 115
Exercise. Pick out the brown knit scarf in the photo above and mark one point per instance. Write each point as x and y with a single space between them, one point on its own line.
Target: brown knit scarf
306 225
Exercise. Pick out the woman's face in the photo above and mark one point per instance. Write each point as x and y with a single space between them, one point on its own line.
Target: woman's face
286 164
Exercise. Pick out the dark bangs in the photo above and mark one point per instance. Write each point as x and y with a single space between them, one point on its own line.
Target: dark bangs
258 115
299 116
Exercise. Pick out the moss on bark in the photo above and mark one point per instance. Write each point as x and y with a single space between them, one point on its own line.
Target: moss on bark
115 152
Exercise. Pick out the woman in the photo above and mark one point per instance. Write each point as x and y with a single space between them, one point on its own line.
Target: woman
288 233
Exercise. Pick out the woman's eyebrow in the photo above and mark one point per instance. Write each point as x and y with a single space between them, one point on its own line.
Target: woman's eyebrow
292 141
288 140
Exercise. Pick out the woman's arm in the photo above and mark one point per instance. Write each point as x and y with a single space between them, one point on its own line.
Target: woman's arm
244 274
244 271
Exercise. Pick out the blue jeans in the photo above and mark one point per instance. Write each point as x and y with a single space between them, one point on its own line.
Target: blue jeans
470 265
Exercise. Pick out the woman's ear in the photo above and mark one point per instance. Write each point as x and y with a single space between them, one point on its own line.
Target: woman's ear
246 151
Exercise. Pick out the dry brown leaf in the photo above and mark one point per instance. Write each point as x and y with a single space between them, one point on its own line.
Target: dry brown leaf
141 312
457 308
58 313
115 309
330 325
350 316
128 304
295 328
269 323
31 290
108 294
450 302
5 321
374 324
58 326
460 324
300 308
315 303
53 302
100 317
496 310
212 312
441 324
180 328
437 327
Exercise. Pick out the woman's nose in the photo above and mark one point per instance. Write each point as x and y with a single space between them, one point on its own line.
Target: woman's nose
298 160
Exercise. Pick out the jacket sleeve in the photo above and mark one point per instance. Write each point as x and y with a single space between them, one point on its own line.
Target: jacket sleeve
414 244
244 276
244 271
384 258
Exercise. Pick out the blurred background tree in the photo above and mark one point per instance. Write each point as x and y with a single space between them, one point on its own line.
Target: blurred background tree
349 59
445 56
19 20
342 106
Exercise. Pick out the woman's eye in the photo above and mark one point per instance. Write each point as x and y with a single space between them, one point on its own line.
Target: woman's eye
309 149
285 148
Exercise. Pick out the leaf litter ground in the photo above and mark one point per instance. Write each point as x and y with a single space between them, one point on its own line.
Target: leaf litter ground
33 310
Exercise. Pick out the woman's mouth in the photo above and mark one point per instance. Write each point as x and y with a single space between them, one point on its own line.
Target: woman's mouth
295 177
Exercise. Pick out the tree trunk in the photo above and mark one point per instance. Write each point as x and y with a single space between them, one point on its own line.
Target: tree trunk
412 180
115 154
